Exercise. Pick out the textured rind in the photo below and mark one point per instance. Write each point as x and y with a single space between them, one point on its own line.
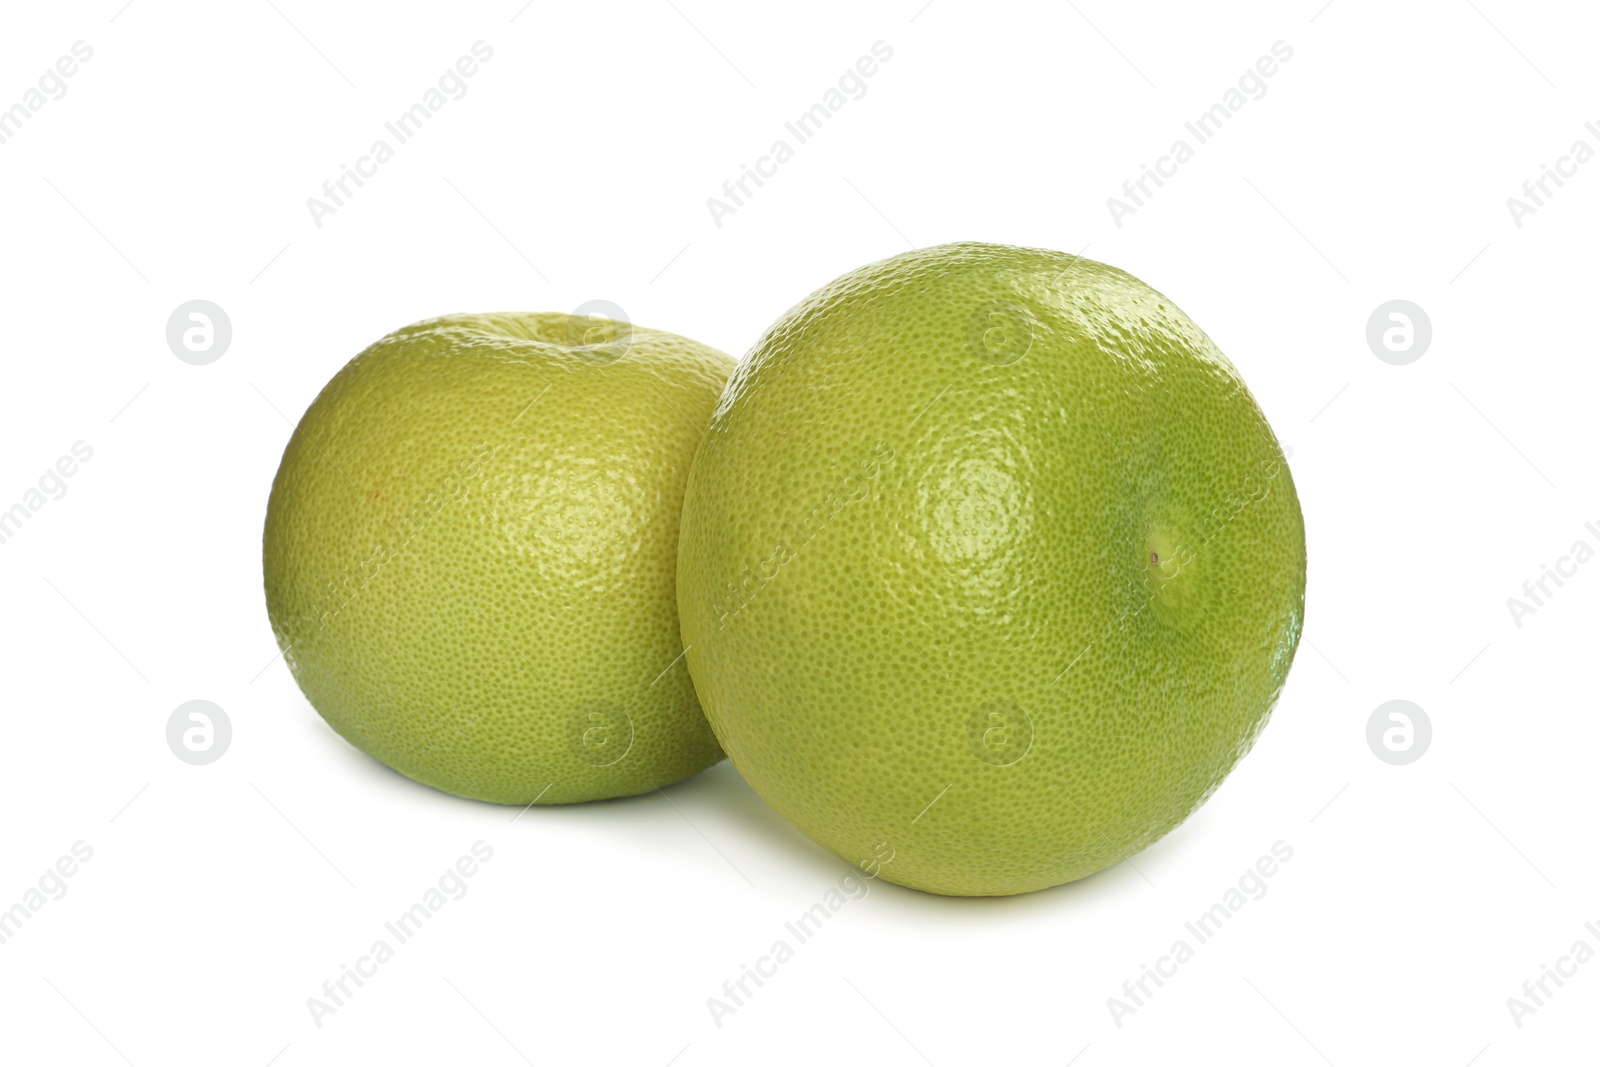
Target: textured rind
905 520
469 551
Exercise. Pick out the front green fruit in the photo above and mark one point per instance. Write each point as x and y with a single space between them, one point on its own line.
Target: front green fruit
989 563
470 548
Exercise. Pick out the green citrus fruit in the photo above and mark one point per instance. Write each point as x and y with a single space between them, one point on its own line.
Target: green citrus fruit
990 568
470 548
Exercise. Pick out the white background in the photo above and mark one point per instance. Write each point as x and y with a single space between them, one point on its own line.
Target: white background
577 167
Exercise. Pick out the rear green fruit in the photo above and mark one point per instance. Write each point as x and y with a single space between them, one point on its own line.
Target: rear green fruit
990 564
469 555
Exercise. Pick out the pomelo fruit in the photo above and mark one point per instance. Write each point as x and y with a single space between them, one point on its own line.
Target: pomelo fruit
989 564
470 547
